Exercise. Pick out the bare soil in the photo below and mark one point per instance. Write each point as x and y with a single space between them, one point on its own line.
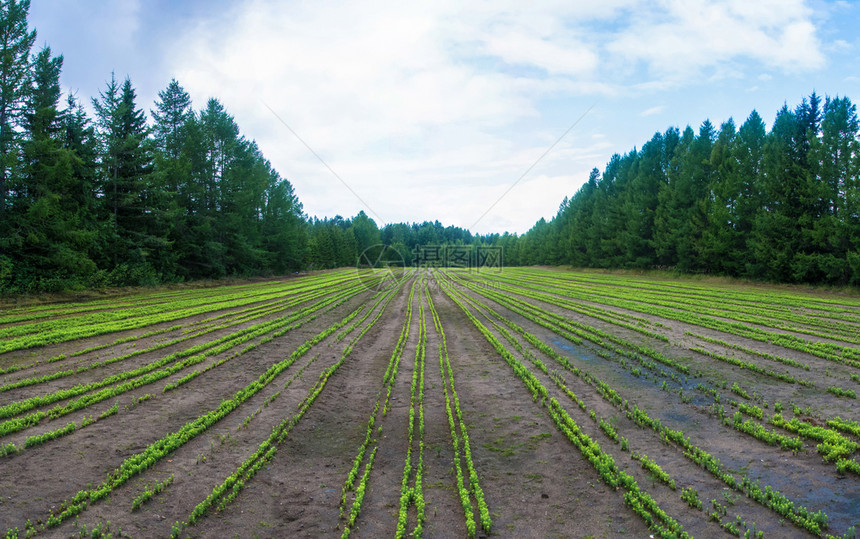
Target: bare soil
536 482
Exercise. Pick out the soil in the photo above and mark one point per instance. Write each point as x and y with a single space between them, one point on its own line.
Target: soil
536 482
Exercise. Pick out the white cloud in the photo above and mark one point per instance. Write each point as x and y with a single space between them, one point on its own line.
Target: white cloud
562 56
840 45
430 111
686 36
652 111
379 95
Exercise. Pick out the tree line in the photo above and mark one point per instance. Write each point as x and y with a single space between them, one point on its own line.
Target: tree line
117 200
337 242
126 198
781 206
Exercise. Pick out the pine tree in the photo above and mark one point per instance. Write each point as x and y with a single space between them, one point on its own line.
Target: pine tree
670 220
283 231
776 234
16 40
829 235
746 180
642 198
716 247
78 138
582 221
172 113
128 200
171 178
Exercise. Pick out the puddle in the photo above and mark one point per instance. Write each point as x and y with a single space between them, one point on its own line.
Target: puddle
678 417
842 503
572 350
843 507
701 400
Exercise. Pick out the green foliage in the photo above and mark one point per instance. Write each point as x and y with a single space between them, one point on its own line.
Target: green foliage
148 493
641 503
8 449
119 204
447 372
39 439
839 392
652 467
336 291
751 410
733 201
585 288
229 489
691 496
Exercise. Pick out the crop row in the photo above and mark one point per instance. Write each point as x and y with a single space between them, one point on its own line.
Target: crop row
833 446
147 374
799 515
632 302
231 322
748 311
234 319
639 501
746 350
148 493
157 450
751 366
414 494
57 331
149 298
388 379
576 332
447 373
229 489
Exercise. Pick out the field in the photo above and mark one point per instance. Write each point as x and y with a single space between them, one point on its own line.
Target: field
445 403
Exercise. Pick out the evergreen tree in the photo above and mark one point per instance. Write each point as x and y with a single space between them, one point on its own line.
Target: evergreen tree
16 40
828 234
171 176
129 201
745 179
670 218
51 242
283 230
718 241
582 221
776 233
365 231
78 139
172 113
642 198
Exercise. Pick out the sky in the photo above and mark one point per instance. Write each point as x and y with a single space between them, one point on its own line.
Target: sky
482 115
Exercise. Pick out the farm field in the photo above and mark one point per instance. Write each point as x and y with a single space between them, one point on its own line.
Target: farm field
434 402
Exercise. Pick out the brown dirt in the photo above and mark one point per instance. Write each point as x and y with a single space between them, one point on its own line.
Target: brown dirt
536 483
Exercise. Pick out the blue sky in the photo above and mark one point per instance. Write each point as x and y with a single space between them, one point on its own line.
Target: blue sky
434 110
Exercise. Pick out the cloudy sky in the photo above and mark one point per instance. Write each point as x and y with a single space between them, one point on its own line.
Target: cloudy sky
435 110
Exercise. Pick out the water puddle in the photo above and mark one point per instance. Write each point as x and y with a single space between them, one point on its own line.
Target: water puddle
573 351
